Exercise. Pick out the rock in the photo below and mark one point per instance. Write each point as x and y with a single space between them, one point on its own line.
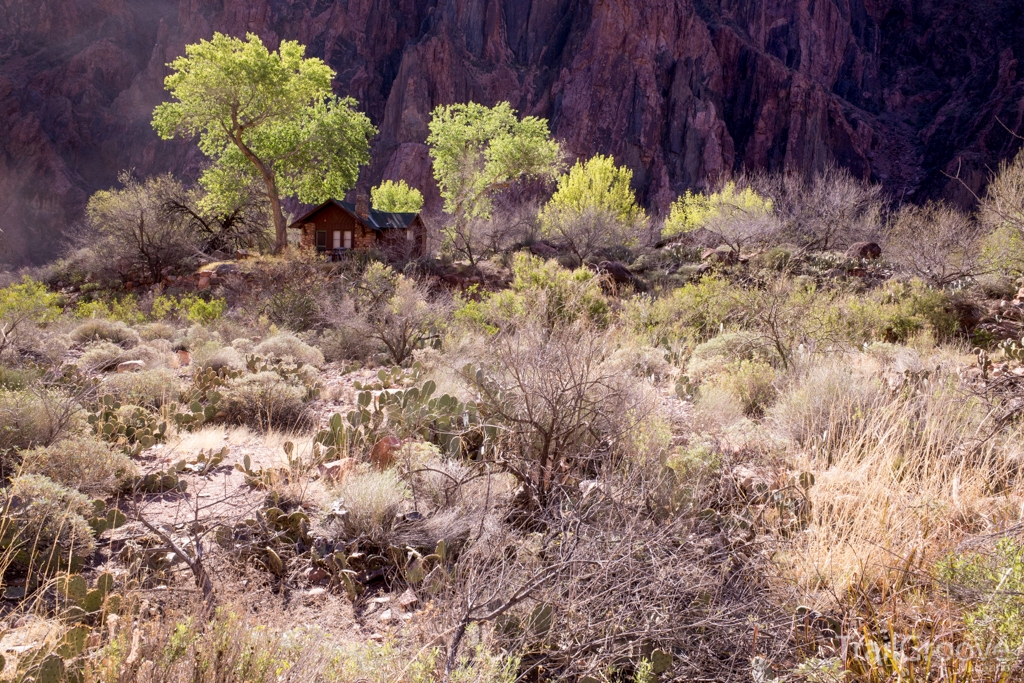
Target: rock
408 600
384 451
722 254
131 366
617 271
184 357
337 470
543 250
242 254
316 574
204 280
864 250
714 87
225 269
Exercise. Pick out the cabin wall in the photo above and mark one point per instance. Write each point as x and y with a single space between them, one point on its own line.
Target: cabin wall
333 219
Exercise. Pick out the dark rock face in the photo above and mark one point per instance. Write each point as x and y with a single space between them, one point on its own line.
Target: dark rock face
906 92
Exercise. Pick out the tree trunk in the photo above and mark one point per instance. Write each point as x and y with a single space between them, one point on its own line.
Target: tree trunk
280 227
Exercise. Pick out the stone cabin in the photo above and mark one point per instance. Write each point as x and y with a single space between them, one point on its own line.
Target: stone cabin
336 227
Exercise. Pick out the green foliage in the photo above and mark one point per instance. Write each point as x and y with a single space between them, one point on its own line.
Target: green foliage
899 311
43 525
540 290
597 186
33 417
479 150
264 117
29 300
693 211
994 584
593 208
124 309
751 382
191 307
82 462
396 197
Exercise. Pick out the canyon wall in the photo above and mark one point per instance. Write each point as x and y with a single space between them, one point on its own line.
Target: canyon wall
909 93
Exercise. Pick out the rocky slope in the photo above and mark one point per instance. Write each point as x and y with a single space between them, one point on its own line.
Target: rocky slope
907 92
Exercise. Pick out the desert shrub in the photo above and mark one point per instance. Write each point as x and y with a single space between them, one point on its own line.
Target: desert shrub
372 500
150 388
244 346
265 400
189 307
559 401
103 356
540 291
34 417
736 216
829 211
294 308
44 524
899 311
157 330
289 347
715 354
348 343
82 462
216 357
690 315
827 404
993 582
100 329
1002 213
935 242
22 305
123 309
16 379
751 382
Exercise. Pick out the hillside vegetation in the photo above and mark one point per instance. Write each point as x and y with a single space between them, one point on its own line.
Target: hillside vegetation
775 435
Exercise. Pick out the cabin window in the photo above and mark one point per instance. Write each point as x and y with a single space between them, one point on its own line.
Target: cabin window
348 239
409 236
337 239
321 240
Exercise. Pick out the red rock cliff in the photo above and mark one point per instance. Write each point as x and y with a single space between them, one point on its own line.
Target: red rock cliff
907 92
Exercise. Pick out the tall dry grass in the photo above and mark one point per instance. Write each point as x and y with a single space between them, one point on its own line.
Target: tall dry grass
904 470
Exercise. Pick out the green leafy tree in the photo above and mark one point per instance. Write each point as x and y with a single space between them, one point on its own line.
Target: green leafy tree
265 116
1001 211
593 208
396 197
735 215
479 151
23 304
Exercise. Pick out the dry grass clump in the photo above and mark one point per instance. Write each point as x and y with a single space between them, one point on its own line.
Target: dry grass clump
101 329
34 417
44 526
104 356
82 462
151 388
368 503
212 356
157 330
290 348
905 474
266 400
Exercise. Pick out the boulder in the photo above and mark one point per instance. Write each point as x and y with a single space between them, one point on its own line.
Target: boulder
723 254
337 470
543 250
865 251
384 452
131 366
617 271
184 358
226 269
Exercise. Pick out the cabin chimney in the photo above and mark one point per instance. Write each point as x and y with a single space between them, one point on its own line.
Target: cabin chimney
363 205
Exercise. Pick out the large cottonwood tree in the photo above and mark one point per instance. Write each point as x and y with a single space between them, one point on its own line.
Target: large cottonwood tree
265 116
